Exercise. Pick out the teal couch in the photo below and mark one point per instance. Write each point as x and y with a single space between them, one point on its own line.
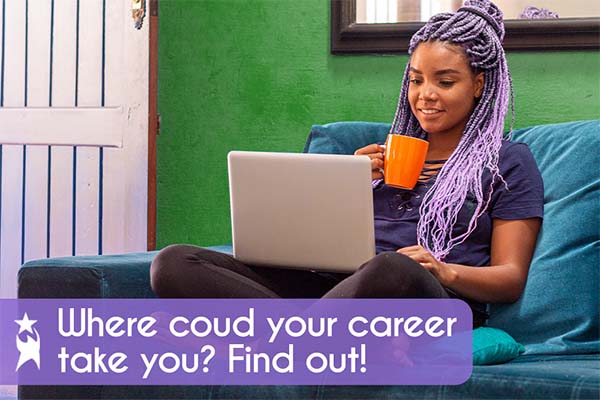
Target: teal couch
556 319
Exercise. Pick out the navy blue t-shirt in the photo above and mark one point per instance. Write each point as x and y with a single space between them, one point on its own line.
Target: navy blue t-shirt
397 210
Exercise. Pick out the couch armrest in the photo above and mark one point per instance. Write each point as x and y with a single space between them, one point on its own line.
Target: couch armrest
109 276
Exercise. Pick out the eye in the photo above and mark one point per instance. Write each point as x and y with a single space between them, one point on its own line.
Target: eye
446 83
415 81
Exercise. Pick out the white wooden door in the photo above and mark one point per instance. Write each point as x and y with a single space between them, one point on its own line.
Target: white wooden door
73 131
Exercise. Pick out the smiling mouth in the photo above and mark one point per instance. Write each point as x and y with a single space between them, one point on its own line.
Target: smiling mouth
430 111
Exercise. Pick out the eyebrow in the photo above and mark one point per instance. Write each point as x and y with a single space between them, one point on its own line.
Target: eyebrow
440 72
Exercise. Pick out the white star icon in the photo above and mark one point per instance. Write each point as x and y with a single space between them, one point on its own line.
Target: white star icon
25 324
30 348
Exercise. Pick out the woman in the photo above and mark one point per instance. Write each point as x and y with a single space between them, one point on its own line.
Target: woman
479 201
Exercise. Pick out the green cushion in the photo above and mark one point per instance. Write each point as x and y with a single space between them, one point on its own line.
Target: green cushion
494 346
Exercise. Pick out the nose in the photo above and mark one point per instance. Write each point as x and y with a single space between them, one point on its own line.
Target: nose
427 92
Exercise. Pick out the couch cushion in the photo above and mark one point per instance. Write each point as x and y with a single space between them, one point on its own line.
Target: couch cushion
344 137
527 377
567 377
558 311
494 346
106 276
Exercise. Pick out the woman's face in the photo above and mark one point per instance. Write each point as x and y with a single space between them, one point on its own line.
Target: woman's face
443 88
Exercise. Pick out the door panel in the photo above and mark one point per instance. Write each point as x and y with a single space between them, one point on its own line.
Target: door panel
73 131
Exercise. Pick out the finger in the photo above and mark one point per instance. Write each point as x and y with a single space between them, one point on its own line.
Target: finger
420 257
420 260
429 267
376 169
372 148
376 164
376 174
412 248
409 253
375 156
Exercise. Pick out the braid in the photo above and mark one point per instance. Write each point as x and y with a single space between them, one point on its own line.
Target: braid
477 27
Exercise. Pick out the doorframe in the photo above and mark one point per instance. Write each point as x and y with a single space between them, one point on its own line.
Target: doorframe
153 121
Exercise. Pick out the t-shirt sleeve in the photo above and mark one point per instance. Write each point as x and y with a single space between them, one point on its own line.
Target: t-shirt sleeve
523 195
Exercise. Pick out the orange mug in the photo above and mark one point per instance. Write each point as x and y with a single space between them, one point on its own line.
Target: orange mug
404 159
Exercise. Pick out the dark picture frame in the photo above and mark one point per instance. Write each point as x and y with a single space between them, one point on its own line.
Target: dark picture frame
349 37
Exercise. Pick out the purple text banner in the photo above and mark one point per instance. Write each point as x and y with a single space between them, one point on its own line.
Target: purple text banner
235 342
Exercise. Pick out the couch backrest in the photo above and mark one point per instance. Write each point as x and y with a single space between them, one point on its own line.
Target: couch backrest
559 310
344 137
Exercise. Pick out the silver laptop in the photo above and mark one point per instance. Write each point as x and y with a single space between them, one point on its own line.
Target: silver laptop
306 211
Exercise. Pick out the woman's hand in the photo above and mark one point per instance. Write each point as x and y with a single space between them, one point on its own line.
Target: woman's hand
375 153
513 242
442 271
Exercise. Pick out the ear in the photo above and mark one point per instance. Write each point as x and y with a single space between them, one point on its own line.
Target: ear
479 82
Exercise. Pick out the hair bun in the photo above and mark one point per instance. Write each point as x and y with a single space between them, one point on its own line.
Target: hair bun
488 11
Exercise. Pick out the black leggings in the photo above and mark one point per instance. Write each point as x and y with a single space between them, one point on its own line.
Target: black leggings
185 271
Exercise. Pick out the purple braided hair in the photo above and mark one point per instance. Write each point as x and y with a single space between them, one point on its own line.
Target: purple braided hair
532 12
478 28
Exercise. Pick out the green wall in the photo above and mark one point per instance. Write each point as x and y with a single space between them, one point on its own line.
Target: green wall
256 74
